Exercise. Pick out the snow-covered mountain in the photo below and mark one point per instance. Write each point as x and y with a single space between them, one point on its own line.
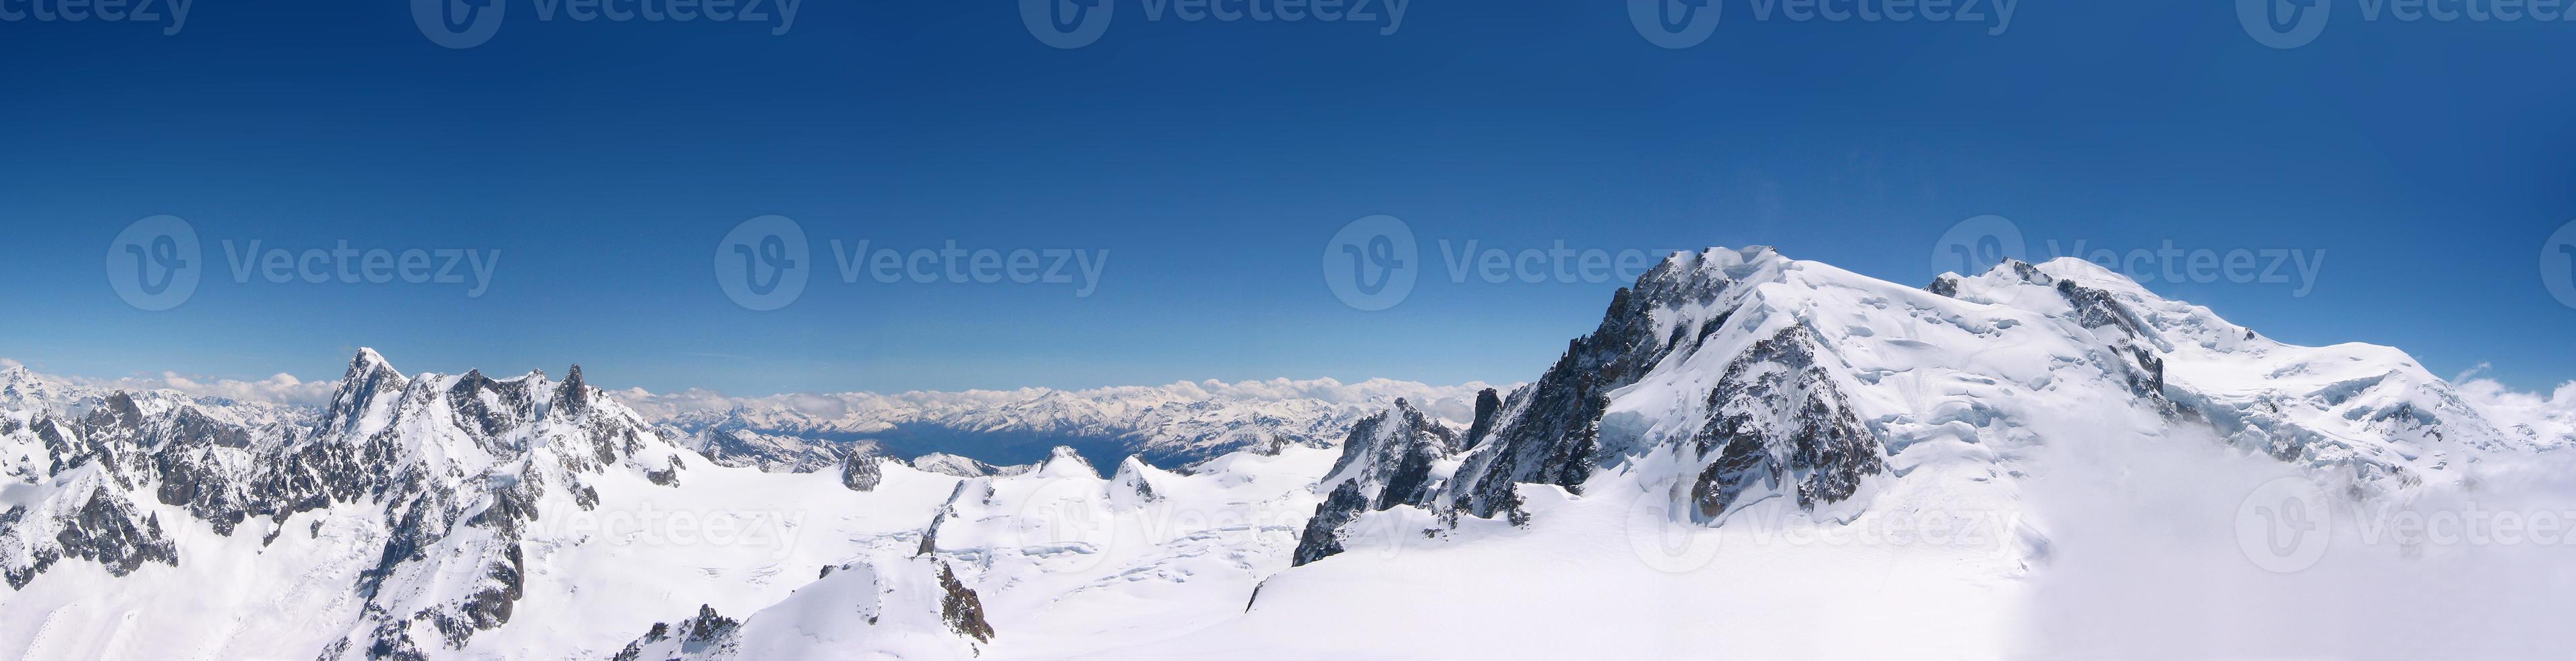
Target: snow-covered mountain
1177 424
1645 497
1736 397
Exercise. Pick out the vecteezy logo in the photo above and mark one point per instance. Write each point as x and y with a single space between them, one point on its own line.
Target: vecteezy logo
155 263
2283 23
457 23
2284 525
1065 524
1977 244
1372 263
1665 540
2558 265
1675 23
763 263
1067 23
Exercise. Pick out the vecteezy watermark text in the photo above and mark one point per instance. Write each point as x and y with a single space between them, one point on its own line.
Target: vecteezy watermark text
765 262
1078 23
468 23
2294 23
157 263
1687 23
1373 263
1664 538
103 11
1977 244
344 264
2287 525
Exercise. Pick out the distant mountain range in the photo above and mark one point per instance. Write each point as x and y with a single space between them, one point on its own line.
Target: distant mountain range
1729 396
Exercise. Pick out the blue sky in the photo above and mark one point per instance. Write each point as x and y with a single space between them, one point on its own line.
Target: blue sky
2427 162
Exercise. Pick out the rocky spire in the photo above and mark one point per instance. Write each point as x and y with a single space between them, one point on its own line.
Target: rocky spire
573 396
369 376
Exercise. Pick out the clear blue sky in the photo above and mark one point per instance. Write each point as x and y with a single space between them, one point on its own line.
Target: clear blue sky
1213 161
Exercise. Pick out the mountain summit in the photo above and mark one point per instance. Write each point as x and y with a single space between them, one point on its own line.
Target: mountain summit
1727 396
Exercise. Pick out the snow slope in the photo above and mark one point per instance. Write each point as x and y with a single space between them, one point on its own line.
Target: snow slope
1751 457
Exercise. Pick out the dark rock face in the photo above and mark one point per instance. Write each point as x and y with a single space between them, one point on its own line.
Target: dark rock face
862 472
1552 430
1390 453
573 397
1386 461
1777 422
1323 536
1488 403
708 635
106 531
186 457
707 627
959 607
1819 458
669 477
930 535
2095 308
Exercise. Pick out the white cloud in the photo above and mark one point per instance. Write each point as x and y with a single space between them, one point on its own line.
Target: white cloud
276 389
2550 417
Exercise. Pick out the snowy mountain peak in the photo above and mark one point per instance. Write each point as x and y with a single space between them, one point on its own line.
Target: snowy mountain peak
1066 462
1726 379
23 389
369 377
367 361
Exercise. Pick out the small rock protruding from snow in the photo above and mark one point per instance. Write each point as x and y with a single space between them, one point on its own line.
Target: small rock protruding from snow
1133 485
861 471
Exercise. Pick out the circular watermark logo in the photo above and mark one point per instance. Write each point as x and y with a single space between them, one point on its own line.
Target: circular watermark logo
2283 23
458 24
1372 263
1065 525
2284 525
2558 265
1675 23
155 263
1067 23
1666 539
763 263
1977 244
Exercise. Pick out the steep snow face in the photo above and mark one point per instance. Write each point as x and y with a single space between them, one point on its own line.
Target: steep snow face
1734 397
2370 409
1733 377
